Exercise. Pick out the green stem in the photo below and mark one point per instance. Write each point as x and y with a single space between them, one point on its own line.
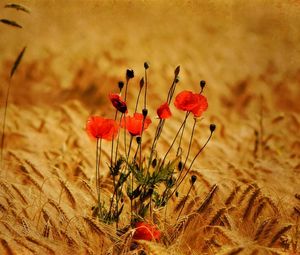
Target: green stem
202 148
189 149
183 123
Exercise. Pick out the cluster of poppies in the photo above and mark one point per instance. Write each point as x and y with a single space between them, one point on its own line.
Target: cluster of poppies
107 129
101 128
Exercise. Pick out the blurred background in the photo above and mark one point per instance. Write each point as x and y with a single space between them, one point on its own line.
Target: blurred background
248 52
79 49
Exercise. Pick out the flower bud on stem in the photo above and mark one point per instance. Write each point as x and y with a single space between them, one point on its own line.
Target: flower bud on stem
212 128
193 180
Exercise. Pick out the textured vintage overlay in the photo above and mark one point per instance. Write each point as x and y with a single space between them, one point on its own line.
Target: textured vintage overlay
249 54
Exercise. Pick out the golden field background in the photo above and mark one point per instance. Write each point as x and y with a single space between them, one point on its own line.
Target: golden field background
249 54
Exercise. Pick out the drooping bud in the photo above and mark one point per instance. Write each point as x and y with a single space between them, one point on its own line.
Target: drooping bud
212 127
129 74
142 83
146 65
170 182
154 162
150 192
145 113
177 71
193 179
180 165
121 85
202 84
138 140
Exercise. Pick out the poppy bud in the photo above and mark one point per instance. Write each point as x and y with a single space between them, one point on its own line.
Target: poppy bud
180 165
177 79
212 127
129 74
141 83
176 194
150 192
193 179
154 162
177 71
146 65
121 85
202 84
170 181
145 112
133 246
138 139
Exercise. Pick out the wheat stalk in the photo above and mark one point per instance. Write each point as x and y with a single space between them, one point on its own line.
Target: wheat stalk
208 199
93 226
279 234
232 195
69 194
251 203
6 247
34 169
217 216
20 194
22 243
41 244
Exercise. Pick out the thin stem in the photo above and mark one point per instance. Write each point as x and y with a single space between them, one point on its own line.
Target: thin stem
155 140
118 139
112 163
202 148
140 158
137 100
136 152
189 149
116 157
98 181
126 85
183 123
171 91
180 139
184 202
125 98
125 134
112 144
4 123
131 200
146 87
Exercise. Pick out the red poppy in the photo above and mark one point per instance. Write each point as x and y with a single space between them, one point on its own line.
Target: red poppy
98 127
188 101
164 112
118 103
134 124
145 231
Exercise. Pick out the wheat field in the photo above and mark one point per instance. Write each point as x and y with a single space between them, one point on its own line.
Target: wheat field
247 196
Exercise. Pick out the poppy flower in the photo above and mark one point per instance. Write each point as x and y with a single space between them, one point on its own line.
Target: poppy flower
146 231
164 112
118 103
101 128
190 102
134 125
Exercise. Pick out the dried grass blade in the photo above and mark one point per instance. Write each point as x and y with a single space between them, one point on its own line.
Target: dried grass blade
10 23
17 62
18 7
